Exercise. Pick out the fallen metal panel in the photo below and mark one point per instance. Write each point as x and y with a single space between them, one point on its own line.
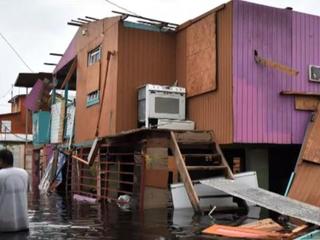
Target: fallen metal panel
266 199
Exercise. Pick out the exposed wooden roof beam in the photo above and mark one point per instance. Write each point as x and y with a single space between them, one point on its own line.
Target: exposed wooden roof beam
56 54
84 20
92 18
74 24
72 69
145 18
78 22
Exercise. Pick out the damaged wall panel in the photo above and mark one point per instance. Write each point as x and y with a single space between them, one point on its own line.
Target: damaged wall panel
311 151
93 77
307 174
305 186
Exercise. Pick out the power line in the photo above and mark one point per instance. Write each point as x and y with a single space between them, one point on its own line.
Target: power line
8 131
7 92
125 9
15 51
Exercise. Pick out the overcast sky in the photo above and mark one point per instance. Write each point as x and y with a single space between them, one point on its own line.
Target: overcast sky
37 27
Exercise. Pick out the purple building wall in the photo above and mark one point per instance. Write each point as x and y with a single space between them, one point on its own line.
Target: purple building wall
305 51
261 115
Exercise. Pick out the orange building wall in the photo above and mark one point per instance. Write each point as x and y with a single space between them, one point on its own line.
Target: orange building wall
144 57
18 119
104 33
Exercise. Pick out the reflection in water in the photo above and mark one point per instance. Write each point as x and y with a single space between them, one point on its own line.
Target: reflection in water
53 217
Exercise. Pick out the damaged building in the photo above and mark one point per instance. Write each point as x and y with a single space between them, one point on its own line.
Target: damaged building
242 78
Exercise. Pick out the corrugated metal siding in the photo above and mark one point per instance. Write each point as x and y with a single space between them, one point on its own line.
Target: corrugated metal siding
213 110
144 57
86 118
306 50
261 115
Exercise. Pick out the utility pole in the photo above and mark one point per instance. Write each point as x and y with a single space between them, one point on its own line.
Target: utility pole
26 139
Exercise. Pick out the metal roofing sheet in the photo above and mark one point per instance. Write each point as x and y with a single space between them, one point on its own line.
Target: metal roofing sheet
29 79
267 199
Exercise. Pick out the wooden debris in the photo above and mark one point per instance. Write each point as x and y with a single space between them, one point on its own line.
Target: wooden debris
306 103
269 63
241 232
307 171
272 201
265 224
254 230
312 147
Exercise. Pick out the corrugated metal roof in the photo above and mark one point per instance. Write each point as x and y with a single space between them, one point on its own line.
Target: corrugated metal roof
68 55
29 79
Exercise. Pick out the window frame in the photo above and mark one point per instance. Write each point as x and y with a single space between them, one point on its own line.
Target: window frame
94 56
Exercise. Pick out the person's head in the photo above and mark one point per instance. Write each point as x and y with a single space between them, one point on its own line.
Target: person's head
6 158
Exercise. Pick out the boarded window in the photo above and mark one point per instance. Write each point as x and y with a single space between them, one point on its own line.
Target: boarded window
93 78
201 56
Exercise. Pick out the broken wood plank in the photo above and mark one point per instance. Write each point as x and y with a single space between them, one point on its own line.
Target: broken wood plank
265 224
296 93
241 232
306 103
272 64
79 159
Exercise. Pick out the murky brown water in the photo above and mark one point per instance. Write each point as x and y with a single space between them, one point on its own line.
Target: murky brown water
53 217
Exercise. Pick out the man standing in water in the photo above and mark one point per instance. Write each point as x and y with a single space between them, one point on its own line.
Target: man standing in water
13 195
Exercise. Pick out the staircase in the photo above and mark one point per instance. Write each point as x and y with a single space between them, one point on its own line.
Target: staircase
197 156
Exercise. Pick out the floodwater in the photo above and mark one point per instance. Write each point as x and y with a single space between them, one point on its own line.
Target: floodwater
54 217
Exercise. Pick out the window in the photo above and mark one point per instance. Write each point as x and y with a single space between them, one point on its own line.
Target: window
5 126
94 56
93 98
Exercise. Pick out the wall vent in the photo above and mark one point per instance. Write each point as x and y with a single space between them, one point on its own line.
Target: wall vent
314 73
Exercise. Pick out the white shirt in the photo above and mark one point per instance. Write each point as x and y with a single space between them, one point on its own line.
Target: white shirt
13 200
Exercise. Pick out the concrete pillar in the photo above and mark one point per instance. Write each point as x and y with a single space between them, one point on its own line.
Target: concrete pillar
257 160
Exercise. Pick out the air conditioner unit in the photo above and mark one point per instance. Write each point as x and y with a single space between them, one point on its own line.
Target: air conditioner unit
314 73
